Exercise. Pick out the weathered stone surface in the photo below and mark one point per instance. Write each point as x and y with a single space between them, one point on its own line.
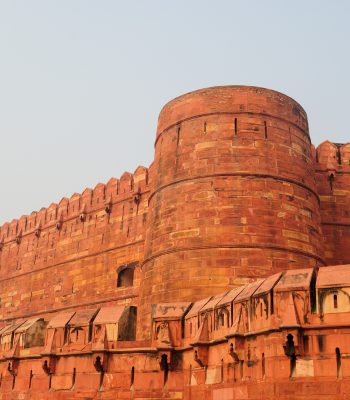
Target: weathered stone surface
217 251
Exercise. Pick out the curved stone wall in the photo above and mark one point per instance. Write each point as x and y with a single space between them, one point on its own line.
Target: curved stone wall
233 194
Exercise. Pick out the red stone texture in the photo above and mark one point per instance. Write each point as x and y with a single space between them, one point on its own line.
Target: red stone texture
333 186
220 247
234 194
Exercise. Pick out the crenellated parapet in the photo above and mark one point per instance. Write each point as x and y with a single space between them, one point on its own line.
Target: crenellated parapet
332 172
333 156
101 198
59 254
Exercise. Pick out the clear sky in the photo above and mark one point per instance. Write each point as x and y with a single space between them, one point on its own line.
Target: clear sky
82 82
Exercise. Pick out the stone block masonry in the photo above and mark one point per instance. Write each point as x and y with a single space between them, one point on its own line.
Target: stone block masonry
206 275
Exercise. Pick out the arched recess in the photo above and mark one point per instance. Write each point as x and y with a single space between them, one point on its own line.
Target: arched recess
126 275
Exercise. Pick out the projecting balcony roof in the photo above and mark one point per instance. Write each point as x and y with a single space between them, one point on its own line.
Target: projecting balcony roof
335 276
83 317
61 319
296 279
3 329
11 329
109 315
231 295
27 325
171 310
268 284
212 302
249 290
197 306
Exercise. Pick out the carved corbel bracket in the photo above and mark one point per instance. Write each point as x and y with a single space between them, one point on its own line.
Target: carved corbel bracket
49 364
236 348
12 366
82 214
19 238
233 354
108 206
200 355
137 197
37 231
100 361
59 223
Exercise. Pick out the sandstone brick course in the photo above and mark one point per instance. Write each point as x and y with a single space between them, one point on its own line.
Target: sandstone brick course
236 194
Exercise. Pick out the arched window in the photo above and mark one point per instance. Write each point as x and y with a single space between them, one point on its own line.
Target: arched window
125 277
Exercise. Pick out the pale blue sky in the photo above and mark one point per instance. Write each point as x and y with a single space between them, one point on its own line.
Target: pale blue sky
82 82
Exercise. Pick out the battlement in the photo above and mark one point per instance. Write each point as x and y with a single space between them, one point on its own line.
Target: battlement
333 156
101 198
55 259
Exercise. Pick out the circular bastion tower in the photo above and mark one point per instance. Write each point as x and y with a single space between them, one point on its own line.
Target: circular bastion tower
233 195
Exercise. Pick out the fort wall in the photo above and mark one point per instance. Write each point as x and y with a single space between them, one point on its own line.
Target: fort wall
333 186
209 274
68 255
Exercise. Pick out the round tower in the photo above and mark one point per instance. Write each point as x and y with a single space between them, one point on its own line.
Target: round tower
233 194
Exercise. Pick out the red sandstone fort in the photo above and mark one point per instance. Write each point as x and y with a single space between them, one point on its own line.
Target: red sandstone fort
218 273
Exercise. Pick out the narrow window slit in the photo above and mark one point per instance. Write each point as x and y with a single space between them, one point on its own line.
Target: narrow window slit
102 375
265 128
30 378
331 181
177 146
335 301
73 377
222 370
236 127
132 378
293 364
339 155
290 352
263 365
165 368
338 359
